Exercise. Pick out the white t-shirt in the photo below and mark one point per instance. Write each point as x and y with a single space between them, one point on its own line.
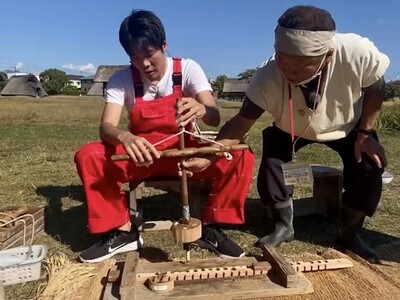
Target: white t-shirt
356 64
120 89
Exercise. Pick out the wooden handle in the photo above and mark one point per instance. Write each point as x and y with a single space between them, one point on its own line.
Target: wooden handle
189 151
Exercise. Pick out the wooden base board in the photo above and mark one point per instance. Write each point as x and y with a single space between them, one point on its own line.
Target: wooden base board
210 289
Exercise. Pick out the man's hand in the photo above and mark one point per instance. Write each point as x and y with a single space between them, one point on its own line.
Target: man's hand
139 149
366 144
188 109
197 164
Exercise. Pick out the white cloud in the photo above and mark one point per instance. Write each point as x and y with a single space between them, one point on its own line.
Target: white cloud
88 68
19 65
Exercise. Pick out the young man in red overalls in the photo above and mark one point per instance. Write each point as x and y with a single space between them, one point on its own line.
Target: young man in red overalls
160 94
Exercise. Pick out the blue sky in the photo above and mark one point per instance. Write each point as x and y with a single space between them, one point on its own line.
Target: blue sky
224 36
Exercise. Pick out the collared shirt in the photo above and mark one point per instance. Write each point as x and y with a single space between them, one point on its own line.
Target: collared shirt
356 64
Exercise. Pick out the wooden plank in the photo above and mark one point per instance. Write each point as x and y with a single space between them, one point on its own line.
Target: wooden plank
287 275
178 266
113 274
322 265
217 288
128 279
192 270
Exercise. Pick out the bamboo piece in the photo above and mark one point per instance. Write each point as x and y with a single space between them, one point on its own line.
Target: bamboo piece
189 151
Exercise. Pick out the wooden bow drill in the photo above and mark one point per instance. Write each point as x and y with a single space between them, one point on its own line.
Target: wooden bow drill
188 229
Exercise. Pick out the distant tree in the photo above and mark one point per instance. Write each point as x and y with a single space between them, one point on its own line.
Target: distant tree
392 90
247 74
71 90
389 92
218 84
3 80
53 81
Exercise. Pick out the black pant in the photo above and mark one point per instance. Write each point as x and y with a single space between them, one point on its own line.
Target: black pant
362 182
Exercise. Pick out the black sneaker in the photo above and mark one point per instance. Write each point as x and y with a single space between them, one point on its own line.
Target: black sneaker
114 242
215 240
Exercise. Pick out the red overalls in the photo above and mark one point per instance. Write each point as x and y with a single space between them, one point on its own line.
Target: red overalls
155 120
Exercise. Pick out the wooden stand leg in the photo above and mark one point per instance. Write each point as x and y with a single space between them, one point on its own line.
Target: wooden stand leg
287 275
135 193
128 279
328 194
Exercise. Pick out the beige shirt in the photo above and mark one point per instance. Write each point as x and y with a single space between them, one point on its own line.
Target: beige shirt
356 64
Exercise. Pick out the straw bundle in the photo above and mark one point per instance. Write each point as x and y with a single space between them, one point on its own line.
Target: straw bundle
73 281
362 281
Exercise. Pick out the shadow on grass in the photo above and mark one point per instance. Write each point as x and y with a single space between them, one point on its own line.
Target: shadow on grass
67 223
63 223
153 254
313 229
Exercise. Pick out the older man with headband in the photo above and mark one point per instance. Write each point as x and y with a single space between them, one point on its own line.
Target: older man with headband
320 87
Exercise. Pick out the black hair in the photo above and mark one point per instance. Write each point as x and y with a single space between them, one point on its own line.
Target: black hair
307 17
140 31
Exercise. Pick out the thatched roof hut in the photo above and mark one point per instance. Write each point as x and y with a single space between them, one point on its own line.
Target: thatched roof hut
96 89
23 85
235 89
104 73
102 76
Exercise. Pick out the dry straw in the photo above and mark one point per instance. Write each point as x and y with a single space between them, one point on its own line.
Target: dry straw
73 281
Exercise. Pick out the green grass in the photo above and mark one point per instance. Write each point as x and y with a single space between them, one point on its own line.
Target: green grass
38 139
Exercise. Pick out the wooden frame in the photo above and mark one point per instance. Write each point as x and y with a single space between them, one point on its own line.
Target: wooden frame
325 201
198 193
216 279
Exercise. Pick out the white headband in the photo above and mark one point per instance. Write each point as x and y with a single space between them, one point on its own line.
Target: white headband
302 42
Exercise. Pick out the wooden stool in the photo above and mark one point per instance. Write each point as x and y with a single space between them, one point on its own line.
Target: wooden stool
327 194
198 194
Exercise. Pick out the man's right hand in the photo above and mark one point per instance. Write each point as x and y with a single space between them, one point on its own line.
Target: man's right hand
198 164
138 148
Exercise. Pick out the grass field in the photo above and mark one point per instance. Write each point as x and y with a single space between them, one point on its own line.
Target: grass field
38 138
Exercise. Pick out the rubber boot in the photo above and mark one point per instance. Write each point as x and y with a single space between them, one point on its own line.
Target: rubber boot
282 216
351 221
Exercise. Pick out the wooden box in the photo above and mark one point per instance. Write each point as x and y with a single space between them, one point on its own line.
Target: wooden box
13 236
327 194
